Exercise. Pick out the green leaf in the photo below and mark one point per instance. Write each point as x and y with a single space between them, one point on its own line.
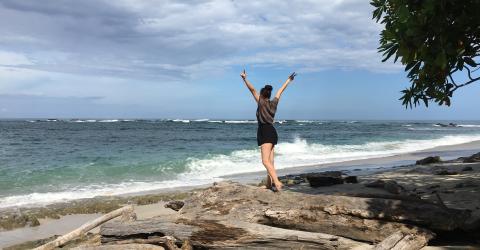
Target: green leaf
410 65
441 60
390 53
470 61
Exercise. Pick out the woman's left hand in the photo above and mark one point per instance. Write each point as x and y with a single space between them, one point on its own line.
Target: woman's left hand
243 74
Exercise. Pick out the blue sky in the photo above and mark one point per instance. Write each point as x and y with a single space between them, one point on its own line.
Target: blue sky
182 59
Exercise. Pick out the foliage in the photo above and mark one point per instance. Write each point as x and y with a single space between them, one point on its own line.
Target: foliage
438 41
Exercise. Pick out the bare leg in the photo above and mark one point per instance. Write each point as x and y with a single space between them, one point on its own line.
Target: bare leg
266 149
269 178
269 182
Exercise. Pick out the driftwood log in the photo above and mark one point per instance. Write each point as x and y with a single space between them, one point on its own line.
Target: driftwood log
126 211
402 241
211 234
231 215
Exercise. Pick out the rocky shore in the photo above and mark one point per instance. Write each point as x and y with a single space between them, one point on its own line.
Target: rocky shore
429 204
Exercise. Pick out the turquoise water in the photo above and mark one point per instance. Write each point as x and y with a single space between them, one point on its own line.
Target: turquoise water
45 161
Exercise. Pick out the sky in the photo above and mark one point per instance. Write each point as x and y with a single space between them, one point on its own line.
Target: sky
182 59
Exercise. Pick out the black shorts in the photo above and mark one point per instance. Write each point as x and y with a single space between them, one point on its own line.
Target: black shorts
266 133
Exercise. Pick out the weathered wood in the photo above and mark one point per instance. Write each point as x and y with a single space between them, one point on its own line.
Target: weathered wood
365 218
168 242
400 197
347 226
121 247
230 215
402 241
225 234
86 227
143 229
390 241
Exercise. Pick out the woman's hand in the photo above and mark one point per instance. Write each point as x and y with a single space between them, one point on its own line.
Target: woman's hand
292 76
243 74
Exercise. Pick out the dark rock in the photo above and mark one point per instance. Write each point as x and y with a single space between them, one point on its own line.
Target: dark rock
468 168
447 125
324 178
433 186
18 219
445 172
390 186
472 158
175 205
429 160
350 179
289 180
393 187
467 184
376 184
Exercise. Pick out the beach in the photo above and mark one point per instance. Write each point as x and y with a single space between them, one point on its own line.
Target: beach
457 190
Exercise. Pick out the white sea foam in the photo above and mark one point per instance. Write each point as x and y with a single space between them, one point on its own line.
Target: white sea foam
39 199
302 122
469 125
212 168
181 120
215 121
429 129
305 121
238 121
111 120
300 153
78 120
201 120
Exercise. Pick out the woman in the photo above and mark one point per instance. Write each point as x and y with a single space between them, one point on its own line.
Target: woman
266 134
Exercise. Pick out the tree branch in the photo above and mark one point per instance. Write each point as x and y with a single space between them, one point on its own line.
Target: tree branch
469 73
451 79
467 83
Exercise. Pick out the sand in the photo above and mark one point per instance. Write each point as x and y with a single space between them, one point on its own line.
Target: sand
67 223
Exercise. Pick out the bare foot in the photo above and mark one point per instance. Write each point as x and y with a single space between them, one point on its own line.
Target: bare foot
278 186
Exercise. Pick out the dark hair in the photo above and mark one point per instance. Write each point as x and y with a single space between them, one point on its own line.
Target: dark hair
266 91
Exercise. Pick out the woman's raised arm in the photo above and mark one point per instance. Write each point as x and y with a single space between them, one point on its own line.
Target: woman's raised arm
249 85
284 86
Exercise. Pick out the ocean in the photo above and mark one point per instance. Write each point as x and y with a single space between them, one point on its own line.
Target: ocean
53 160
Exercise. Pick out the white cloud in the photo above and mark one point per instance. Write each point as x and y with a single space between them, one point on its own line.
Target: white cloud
13 59
174 40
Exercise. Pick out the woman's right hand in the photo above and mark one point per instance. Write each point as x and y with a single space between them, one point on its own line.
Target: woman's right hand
243 74
292 76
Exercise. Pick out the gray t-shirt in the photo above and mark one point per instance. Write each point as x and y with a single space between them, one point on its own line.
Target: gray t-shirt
266 110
